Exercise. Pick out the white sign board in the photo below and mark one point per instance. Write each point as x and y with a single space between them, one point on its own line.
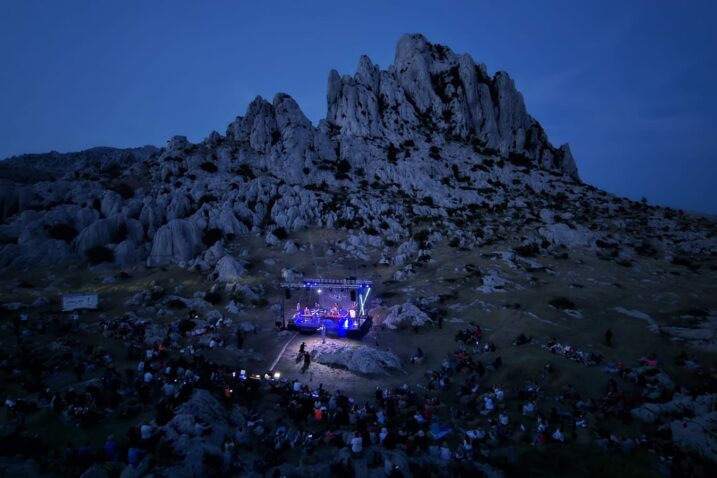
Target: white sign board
79 301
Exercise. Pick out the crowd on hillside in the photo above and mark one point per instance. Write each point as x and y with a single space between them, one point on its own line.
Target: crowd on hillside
455 418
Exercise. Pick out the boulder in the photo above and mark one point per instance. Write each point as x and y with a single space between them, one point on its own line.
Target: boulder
228 269
697 434
191 443
406 315
290 247
214 253
177 241
561 234
360 359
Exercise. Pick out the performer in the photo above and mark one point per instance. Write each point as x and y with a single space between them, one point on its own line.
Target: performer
307 311
298 306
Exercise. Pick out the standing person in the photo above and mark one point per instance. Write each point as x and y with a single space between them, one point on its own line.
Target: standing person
307 362
608 337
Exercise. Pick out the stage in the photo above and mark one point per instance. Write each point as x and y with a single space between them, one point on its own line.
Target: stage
334 307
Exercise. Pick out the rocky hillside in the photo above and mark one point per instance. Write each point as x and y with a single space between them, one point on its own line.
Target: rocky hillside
431 148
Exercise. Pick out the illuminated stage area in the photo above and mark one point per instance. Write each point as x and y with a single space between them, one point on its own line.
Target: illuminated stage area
335 307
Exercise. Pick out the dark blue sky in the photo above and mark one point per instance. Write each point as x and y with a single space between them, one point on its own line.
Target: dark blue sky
630 85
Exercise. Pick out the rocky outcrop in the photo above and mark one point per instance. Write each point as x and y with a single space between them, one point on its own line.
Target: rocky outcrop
359 359
431 90
692 421
196 431
177 241
431 137
406 315
228 269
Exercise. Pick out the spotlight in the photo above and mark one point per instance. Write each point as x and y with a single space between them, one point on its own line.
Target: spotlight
319 291
277 375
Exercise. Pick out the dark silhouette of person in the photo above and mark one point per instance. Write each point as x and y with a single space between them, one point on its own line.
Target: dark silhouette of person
608 337
307 361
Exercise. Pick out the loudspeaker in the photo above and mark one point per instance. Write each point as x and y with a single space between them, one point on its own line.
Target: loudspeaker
353 296
287 293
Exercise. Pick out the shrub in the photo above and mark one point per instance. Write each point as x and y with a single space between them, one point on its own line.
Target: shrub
123 189
176 304
207 198
519 160
121 233
392 153
281 233
275 137
686 262
528 250
62 232
434 152
211 236
260 302
213 298
422 235
99 254
562 303
209 167
343 166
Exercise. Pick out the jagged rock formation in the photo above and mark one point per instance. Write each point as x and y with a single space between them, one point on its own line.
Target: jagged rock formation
433 137
429 90
357 358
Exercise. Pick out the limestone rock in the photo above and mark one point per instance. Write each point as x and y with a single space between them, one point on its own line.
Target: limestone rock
406 315
178 240
360 359
228 269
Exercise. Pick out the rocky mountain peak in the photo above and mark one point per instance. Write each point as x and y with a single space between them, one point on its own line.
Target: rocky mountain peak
431 92
432 136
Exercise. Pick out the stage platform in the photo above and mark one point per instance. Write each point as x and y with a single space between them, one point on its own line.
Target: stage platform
336 326
336 307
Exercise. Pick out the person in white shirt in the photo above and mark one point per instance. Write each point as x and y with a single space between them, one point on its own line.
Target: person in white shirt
445 452
356 444
499 394
148 377
145 431
558 435
503 419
